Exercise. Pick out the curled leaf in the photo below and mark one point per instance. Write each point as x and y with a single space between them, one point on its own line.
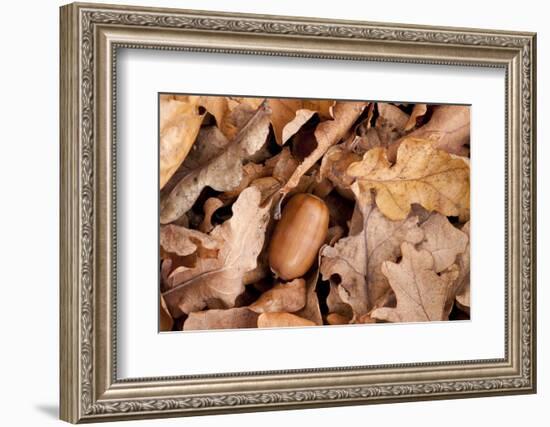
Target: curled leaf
287 297
290 114
418 111
210 206
166 322
231 318
282 320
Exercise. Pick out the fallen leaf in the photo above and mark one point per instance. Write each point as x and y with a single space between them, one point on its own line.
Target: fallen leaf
211 205
391 123
462 288
210 143
421 293
241 238
166 322
418 111
282 165
290 114
327 134
250 172
422 174
231 318
222 173
282 320
448 129
337 319
443 241
184 241
354 264
239 111
335 164
344 265
311 310
335 304
179 124
288 297
384 238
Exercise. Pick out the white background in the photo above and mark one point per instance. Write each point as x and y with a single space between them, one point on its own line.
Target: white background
29 173
141 347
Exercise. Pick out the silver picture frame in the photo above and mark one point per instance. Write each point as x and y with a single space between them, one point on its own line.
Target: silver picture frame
91 34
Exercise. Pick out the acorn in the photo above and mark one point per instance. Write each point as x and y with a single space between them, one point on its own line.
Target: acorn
298 236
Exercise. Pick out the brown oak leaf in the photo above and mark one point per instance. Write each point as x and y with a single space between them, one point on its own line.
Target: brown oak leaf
418 111
463 282
443 241
286 297
220 280
311 310
335 164
231 318
448 129
357 260
290 114
282 320
327 134
180 121
391 123
183 241
211 205
165 322
421 293
422 174
222 173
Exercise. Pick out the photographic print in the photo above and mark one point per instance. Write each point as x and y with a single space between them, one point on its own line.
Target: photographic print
280 212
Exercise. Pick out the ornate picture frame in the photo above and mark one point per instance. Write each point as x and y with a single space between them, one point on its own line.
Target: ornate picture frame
90 37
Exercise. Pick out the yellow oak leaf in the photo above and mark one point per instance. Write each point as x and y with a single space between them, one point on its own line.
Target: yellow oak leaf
422 174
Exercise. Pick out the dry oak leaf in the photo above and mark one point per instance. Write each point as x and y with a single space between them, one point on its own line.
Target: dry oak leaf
344 265
311 310
448 129
391 122
354 264
418 111
282 320
421 293
231 318
166 322
211 205
335 164
184 241
288 297
180 121
384 238
282 165
462 287
443 241
337 319
220 279
327 134
422 174
290 114
222 173
239 111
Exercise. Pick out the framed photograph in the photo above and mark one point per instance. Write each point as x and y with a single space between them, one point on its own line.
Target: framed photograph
267 212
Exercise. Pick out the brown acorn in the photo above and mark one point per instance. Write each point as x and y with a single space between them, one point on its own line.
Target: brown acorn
298 236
